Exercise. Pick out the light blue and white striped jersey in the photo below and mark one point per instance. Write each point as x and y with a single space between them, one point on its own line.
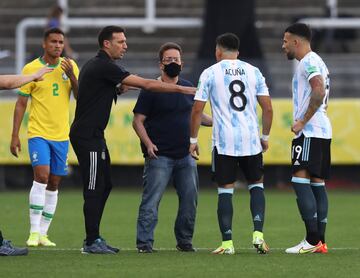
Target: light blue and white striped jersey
232 87
309 66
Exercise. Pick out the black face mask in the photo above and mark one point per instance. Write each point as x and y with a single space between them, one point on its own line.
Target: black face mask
172 69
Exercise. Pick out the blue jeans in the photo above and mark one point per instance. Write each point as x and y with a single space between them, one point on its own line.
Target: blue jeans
157 174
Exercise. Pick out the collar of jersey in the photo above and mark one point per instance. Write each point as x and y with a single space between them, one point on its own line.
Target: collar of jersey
102 53
50 66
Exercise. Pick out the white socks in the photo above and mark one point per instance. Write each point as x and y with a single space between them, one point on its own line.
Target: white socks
42 207
51 198
37 202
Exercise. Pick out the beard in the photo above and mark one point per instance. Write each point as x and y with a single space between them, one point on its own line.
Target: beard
290 56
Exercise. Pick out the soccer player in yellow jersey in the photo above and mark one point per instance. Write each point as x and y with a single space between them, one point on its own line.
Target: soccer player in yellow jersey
48 131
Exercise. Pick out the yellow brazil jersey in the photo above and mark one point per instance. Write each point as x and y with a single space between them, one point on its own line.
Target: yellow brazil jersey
49 108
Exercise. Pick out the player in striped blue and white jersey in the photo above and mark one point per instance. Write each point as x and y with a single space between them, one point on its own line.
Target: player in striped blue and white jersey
234 89
312 129
318 125
232 86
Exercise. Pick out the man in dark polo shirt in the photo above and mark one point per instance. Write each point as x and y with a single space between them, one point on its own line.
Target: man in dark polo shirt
98 81
162 122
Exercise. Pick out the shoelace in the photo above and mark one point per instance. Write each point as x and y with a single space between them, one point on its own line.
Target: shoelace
7 243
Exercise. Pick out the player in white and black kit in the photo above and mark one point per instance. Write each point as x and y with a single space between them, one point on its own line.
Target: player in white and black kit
234 89
310 151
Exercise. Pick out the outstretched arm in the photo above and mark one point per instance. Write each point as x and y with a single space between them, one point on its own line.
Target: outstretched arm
15 81
156 85
206 120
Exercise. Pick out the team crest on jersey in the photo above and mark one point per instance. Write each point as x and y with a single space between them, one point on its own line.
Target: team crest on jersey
64 76
34 157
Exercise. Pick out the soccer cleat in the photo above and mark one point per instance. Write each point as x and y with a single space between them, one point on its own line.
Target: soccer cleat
226 248
45 241
323 249
304 248
97 247
185 248
33 240
7 249
259 243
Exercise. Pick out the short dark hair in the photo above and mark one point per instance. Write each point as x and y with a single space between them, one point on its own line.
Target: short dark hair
167 46
106 33
300 29
228 41
55 12
53 30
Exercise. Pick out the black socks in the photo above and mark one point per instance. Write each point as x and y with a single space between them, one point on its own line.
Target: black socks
225 212
320 194
257 207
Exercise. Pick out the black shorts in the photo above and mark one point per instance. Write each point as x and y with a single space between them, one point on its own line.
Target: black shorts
225 167
312 154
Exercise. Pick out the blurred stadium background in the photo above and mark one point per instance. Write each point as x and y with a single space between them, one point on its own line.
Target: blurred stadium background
193 24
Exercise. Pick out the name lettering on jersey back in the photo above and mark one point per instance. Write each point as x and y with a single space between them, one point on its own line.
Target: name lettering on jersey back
234 72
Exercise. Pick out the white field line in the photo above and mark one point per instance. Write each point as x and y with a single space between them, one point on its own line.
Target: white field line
174 249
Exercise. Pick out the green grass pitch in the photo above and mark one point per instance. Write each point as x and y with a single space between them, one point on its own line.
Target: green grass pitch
283 228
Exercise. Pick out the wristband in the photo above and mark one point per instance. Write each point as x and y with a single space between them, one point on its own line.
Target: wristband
193 140
265 137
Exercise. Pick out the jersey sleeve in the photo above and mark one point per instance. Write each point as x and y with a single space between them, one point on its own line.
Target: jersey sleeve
261 87
203 88
115 73
311 68
26 89
144 103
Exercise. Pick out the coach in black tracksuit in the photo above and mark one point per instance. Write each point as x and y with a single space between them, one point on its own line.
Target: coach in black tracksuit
98 80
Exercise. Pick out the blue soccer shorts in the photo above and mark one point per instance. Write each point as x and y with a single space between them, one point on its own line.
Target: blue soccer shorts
52 153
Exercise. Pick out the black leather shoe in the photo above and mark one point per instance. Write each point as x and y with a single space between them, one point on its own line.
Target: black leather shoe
185 248
145 249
